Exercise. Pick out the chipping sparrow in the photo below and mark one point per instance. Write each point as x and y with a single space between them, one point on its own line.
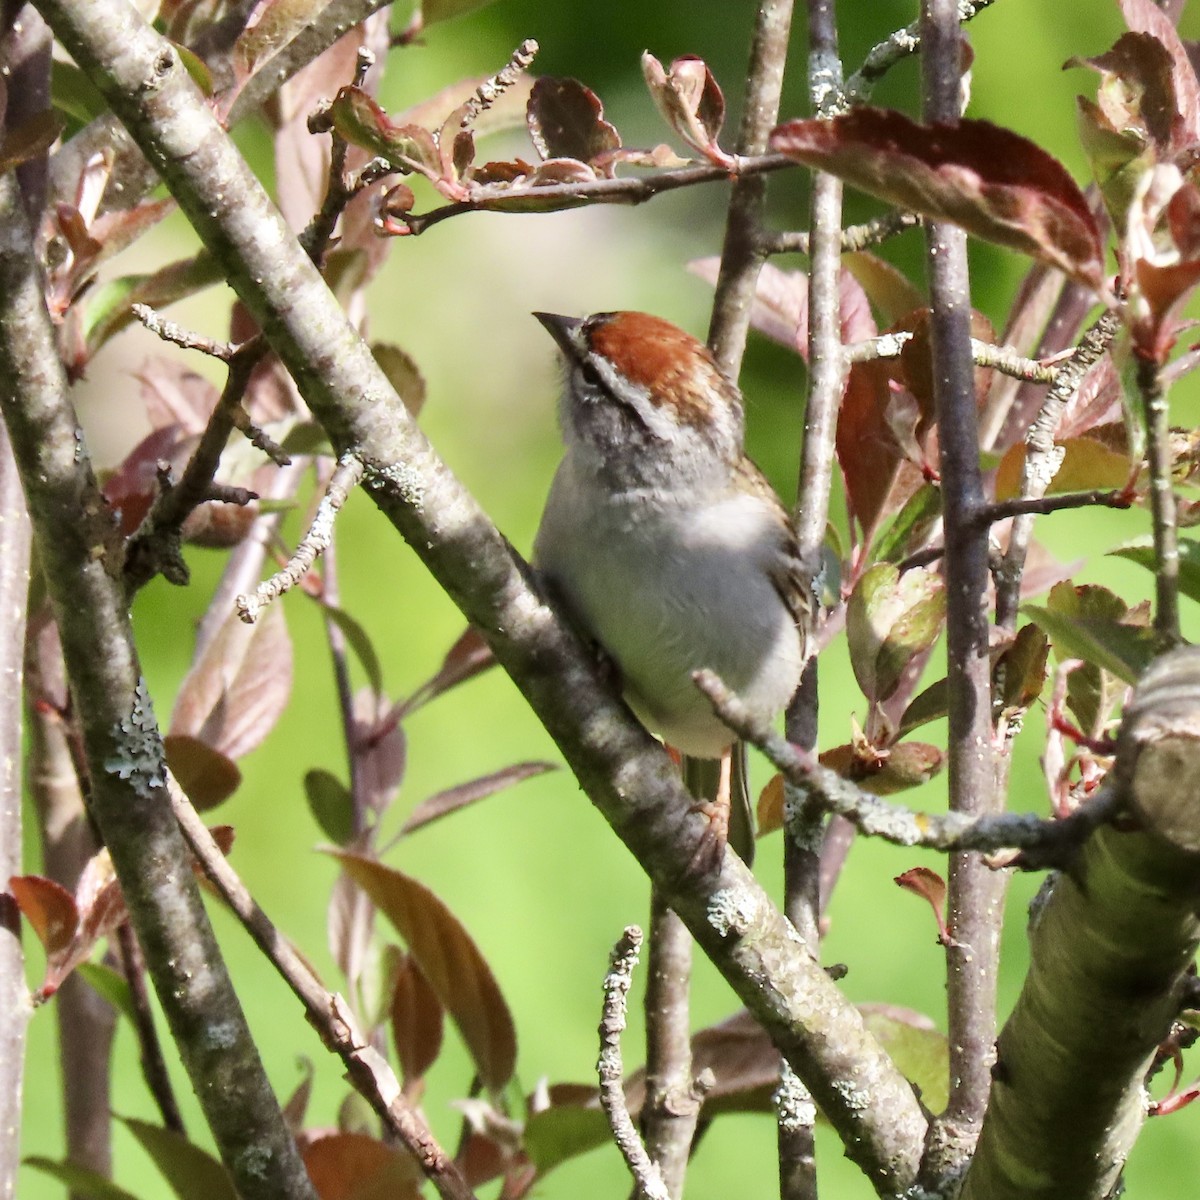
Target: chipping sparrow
662 539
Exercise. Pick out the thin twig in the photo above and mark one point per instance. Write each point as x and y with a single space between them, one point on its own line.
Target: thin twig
826 382
154 1066
741 257
1001 510
329 1014
1043 457
156 546
670 1109
1004 359
647 1179
257 436
1162 500
170 331
631 190
854 237
895 49
347 476
1040 842
318 234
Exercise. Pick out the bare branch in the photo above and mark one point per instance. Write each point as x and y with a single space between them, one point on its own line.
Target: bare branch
895 49
669 1111
1042 459
1001 510
854 237
983 354
170 331
150 1055
1162 500
366 1068
631 190
1041 842
740 254
345 478
648 1181
80 562
975 894
1115 936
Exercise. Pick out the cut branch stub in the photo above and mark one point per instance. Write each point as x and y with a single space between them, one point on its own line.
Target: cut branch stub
1112 948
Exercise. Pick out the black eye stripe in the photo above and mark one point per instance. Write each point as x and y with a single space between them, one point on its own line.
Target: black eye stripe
590 375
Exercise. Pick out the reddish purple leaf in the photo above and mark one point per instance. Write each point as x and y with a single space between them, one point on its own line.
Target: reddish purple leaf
380 749
132 487
690 101
175 395
994 183
879 479
417 1024
1144 16
780 309
353 1166
468 657
207 776
931 887
566 120
442 804
49 908
70 926
1137 91
237 690
450 960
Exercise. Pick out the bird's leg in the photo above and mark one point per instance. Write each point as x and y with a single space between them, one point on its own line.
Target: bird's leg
711 782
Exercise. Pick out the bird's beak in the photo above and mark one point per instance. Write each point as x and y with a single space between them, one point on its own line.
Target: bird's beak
562 330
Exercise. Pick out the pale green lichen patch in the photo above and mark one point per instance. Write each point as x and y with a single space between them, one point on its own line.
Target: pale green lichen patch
139 750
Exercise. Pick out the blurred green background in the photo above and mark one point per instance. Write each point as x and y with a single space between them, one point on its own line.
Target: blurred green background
534 873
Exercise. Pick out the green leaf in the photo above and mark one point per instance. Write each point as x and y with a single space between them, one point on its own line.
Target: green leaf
930 705
73 93
360 642
890 619
1124 650
331 805
916 1047
112 986
1141 551
911 525
563 1132
307 437
193 1173
79 1180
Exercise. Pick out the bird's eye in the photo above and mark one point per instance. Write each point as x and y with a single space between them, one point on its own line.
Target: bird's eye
590 375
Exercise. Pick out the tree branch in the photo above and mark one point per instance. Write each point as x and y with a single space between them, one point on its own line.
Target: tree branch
329 1015
624 771
1112 949
1162 500
975 893
1042 843
80 557
647 1178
